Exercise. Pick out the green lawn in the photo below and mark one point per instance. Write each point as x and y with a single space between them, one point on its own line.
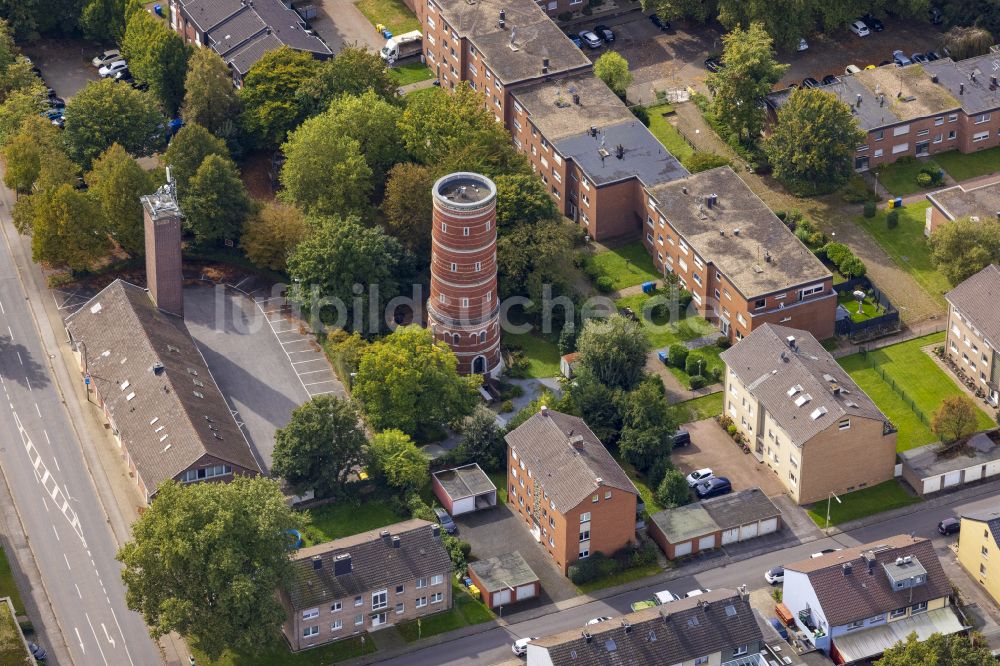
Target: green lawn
900 178
334 521
7 586
645 492
464 612
415 94
869 308
917 374
620 578
667 133
626 265
661 325
392 13
885 496
499 480
908 247
697 409
962 166
542 355
276 653
410 73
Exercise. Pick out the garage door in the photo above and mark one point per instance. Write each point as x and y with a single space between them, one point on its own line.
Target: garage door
953 478
705 543
768 526
682 549
501 597
525 592
748 531
464 505
932 484
731 536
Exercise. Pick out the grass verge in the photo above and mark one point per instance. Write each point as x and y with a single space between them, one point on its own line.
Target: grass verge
900 178
499 480
697 409
620 578
667 133
465 611
276 653
7 586
542 356
962 166
11 645
885 496
626 265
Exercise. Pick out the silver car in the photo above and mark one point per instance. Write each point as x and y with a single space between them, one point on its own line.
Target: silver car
590 39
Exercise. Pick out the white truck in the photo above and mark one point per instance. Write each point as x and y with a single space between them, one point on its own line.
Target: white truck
402 46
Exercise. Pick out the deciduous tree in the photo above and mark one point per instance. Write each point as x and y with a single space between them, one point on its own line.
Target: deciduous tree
968 41
19 106
205 560
614 350
116 182
271 104
372 122
824 162
612 68
158 56
210 99
271 235
522 199
66 229
394 458
408 207
216 203
531 256
23 158
103 20
673 490
596 403
320 446
410 382
353 71
951 650
482 441
103 113
962 248
188 149
955 419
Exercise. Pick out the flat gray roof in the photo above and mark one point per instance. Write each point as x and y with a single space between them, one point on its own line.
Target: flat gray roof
642 156
554 112
735 509
466 481
968 81
498 572
956 201
684 523
926 462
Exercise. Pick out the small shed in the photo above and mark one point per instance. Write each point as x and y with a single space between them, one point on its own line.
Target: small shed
504 579
464 489
716 522
928 472
567 364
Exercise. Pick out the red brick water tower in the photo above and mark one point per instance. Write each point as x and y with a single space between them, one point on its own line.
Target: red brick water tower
463 309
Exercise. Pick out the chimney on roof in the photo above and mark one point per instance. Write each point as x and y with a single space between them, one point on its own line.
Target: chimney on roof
961 88
791 342
586 636
593 130
858 100
317 562
342 564
711 200
848 568
620 151
684 189
503 19
436 531
881 100
162 226
385 536
993 82
744 592
870 561
576 98
972 76
395 542
736 231
576 441
545 411
626 626
157 368
934 78
545 65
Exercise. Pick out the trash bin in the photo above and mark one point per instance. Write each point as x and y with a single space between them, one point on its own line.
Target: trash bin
648 287
158 10
899 202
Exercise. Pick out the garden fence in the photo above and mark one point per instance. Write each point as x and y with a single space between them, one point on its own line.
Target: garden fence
897 389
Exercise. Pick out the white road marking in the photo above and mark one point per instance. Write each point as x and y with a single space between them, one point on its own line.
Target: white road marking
56 532
11 333
304 351
107 635
38 410
56 461
82 649
122 633
2 311
327 381
313 395
45 504
312 360
312 372
28 382
19 356
67 562
47 440
96 639
78 593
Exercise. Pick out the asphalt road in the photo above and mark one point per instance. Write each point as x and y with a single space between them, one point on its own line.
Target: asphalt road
55 496
493 646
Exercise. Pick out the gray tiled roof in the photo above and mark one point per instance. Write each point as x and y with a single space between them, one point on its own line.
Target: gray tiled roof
741 256
740 508
465 481
644 157
164 424
977 299
858 595
235 30
535 37
717 621
992 520
206 14
567 474
375 563
496 573
770 369
247 55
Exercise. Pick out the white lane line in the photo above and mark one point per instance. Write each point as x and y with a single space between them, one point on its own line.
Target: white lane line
19 356
2 311
67 562
96 639
303 351
28 381
56 532
292 342
327 381
45 504
124 642
80 640
313 395
10 333
56 461
78 590
38 410
312 360
47 440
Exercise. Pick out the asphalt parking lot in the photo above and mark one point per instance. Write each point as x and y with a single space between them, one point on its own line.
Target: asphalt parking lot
712 447
65 63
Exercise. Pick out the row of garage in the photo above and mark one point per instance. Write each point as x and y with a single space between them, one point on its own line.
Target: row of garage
928 472
716 522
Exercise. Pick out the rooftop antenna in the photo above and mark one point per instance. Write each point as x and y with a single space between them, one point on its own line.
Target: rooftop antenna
513 34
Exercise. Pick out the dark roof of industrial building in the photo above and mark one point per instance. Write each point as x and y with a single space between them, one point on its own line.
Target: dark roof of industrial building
465 481
155 385
497 573
642 154
957 201
673 633
567 474
803 388
991 519
375 563
515 52
738 233
863 591
976 298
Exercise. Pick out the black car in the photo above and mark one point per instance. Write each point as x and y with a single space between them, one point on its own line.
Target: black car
949 526
810 82
659 23
932 56
37 651
918 57
873 23
714 487
830 78
682 438
605 33
57 103
713 64
447 524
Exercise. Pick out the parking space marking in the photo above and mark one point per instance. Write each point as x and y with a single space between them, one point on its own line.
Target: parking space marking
313 372
325 381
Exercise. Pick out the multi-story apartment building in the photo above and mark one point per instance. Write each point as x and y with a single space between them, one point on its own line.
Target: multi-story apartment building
976 203
858 602
718 628
979 549
921 109
241 31
568 489
366 582
974 329
804 416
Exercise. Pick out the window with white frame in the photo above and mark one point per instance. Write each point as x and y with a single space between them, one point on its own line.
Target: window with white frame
980 136
982 118
310 614
585 517
359 620
437 579
421 602
309 632
336 625
380 599
437 597
900 130
359 601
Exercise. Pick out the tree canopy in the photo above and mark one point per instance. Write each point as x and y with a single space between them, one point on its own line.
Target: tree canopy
270 235
951 650
614 350
409 207
955 419
482 441
396 460
271 103
66 229
158 56
188 149
961 248
103 20
116 182
104 113
612 68
522 198
210 100
215 203
205 560
353 71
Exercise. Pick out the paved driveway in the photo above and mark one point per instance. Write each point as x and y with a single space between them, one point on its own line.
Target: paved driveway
712 447
497 531
340 23
65 63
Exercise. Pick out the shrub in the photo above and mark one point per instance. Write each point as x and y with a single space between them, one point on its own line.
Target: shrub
605 284
419 508
892 218
658 470
703 161
722 342
695 364
641 113
716 374
869 209
584 571
725 421
780 214
924 179
697 382
684 299
837 252
677 354
731 429
565 16
506 407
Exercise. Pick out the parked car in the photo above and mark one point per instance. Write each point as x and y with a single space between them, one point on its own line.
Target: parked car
520 646
112 68
576 40
598 620
825 551
659 23
775 575
106 58
860 29
125 76
57 103
852 69
696 592
681 438
699 476
605 33
714 487
447 524
900 58
713 64
810 82
779 627
918 57
830 79
803 45
37 651
660 598
873 23
590 39
932 56
949 526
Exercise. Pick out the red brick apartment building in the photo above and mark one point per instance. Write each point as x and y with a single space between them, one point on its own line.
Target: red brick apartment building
571 493
921 109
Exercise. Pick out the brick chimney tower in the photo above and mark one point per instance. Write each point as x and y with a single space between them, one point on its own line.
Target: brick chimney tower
162 222
463 309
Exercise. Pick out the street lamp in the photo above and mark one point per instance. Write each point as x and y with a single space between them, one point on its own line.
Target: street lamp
832 495
876 184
